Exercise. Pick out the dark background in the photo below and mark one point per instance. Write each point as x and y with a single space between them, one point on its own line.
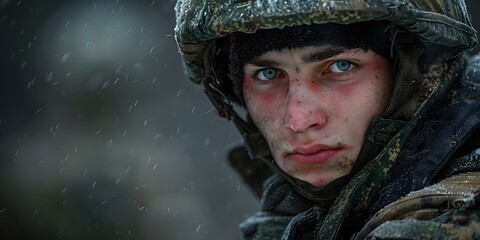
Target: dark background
101 136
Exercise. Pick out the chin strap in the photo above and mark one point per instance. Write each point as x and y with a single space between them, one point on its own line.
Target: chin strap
215 89
254 142
247 160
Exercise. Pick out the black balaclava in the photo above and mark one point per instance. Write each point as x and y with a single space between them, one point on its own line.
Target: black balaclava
374 35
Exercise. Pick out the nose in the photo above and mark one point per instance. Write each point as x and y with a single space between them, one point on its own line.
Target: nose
303 109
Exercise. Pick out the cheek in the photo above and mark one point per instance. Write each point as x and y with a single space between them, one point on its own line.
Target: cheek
258 93
372 93
259 105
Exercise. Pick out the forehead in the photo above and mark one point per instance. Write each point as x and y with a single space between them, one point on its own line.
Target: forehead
304 55
367 35
287 51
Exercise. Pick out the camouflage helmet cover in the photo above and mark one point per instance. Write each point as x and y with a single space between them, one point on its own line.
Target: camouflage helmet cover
442 22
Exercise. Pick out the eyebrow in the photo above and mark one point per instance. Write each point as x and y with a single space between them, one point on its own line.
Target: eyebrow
309 58
321 55
265 63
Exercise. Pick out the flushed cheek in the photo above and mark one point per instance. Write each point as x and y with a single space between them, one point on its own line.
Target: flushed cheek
265 94
268 122
268 119
264 110
365 95
348 89
261 111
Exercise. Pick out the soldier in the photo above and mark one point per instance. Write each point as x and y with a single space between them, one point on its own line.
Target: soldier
362 116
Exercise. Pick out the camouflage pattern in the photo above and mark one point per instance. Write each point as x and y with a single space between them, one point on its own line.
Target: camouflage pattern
448 207
443 22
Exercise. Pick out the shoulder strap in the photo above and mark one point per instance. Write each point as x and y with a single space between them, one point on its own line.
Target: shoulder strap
457 192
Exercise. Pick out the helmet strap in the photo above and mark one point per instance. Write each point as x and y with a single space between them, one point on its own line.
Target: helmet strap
255 144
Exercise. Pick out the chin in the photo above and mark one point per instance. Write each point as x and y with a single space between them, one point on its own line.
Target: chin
320 183
321 179
316 181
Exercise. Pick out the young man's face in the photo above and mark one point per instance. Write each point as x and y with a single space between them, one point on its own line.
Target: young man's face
313 105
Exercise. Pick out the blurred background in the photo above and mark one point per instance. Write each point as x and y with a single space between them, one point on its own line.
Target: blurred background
102 136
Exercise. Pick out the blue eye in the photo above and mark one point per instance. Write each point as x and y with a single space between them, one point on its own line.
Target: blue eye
268 74
341 66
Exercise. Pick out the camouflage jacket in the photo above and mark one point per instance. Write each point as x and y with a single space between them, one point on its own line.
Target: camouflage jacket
424 183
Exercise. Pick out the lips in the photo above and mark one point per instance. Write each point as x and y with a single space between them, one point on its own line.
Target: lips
314 154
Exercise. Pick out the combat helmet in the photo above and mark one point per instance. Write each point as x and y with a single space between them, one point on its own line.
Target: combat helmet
199 22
